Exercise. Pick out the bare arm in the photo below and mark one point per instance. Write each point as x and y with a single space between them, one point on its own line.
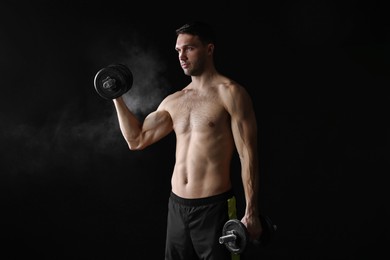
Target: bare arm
139 135
244 128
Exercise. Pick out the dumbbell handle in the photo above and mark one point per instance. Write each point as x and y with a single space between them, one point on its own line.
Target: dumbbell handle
231 237
108 83
228 238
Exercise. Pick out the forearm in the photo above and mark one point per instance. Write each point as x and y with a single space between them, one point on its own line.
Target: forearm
128 122
250 180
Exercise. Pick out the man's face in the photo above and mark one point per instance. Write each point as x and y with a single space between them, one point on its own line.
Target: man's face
192 54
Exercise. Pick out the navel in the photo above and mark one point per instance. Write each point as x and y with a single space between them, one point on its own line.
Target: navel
211 124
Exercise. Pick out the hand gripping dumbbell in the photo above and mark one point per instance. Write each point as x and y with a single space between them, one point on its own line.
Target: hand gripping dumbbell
113 81
235 235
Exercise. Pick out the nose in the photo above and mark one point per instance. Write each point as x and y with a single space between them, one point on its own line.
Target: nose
182 56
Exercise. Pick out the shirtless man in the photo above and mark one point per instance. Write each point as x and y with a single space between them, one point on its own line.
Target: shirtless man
211 117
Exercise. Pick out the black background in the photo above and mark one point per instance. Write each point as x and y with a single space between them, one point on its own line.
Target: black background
317 72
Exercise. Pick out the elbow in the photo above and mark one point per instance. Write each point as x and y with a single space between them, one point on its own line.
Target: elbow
135 145
131 147
137 142
133 142
135 148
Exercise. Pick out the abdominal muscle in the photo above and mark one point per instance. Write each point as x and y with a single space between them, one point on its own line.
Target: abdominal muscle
202 167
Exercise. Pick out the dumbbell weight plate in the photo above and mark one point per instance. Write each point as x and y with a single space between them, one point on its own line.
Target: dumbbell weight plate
268 230
236 238
113 81
238 228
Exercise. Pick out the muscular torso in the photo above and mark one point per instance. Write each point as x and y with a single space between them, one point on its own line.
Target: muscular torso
204 144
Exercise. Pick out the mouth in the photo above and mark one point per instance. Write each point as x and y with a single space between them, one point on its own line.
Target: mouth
184 65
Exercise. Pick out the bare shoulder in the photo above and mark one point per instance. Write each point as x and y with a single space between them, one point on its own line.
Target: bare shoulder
229 89
168 100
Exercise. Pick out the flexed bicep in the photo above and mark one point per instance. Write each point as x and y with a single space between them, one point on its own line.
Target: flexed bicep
140 134
156 125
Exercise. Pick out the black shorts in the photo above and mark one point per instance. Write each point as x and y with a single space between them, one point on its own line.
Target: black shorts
195 225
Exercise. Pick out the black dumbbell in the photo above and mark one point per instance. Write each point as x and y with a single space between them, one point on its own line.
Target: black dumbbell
235 235
113 81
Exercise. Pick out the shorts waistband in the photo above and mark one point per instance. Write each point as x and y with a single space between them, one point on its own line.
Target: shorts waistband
203 201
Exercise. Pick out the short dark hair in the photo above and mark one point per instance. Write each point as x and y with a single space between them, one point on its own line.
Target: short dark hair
203 30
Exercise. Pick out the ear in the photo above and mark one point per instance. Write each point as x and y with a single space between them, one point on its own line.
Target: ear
210 48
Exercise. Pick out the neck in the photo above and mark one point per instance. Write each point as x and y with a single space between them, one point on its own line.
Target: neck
205 78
